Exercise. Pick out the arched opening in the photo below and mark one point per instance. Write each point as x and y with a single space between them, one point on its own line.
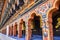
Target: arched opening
15 31
11 30
36 27
52 13
56 22
24 28
21 29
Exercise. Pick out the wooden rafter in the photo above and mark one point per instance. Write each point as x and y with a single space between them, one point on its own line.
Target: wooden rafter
3 9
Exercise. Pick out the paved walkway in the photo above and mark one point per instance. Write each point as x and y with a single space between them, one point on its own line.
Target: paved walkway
34 37
5 37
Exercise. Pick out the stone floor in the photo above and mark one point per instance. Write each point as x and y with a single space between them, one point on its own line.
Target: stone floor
34 37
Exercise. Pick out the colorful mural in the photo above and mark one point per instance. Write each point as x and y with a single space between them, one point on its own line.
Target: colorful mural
41 11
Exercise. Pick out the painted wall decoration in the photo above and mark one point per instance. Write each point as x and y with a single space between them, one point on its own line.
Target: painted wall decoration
42 11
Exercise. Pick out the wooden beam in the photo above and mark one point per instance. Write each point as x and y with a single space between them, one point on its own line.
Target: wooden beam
3 9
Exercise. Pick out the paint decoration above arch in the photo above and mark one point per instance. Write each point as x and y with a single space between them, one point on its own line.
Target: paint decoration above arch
42 9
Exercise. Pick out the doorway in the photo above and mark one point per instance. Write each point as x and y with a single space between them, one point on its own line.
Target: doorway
24 29
56 23
37 30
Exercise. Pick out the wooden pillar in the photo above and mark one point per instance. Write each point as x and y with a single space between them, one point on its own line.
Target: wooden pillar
15 29
28 28
29 31
7 31
50 22
11 30
50 26
20 28
4 31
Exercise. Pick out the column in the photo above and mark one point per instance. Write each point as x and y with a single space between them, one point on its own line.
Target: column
45 30
11 30
7 31
20 28
4 31
15 29
28 30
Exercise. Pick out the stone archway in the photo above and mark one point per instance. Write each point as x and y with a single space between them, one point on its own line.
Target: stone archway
54 8
11 30
30 25
36 24
15 29
21 28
